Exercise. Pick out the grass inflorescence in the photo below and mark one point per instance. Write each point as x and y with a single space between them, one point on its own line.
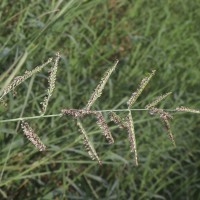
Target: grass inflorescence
90 35
126 123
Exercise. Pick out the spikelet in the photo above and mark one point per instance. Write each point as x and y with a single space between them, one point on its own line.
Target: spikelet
186 109
131 136
157 100
165 117
98 90
117 120
32 136
91 151
104 127
51 81
19 79
77 113
142 85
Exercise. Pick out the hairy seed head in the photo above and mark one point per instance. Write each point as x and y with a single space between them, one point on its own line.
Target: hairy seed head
117 120
98 90
51 81
32 136
131 135
104 127
142 85
89 148
19 79
157 100
186 109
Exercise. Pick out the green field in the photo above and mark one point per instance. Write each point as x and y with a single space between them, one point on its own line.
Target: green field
90 35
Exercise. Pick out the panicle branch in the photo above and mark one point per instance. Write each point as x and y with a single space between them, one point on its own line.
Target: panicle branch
51 81
186 109
104 127
98 91
76 113
131 135
20 79
89 148
117 120
157 100
165 117
32 136
142 85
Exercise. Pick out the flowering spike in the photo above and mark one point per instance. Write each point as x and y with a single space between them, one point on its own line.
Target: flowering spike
142 85
51 81
157 100
91 151
98 90
32 136
186 109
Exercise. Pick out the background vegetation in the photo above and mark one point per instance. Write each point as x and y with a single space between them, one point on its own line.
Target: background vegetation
90 35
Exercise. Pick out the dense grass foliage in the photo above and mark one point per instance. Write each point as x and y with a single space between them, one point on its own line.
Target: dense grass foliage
90 35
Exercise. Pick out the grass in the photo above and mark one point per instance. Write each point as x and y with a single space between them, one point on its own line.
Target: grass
90 36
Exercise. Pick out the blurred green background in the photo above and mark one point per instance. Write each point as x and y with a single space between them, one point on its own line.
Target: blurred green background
144 35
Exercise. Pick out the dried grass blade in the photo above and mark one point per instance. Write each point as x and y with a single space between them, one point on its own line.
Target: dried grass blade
51 81
142 85
91 151
157 100
131 136
32 136
186 109
98 91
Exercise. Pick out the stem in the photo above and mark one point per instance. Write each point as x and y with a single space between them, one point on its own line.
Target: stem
59 115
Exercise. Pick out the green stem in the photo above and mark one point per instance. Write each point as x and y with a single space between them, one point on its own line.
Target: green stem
60 114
